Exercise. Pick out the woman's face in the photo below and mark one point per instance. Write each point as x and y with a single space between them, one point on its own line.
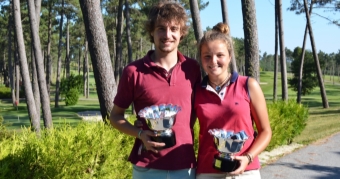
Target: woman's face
215 58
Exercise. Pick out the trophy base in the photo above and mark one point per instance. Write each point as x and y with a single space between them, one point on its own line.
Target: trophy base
169 140
225 165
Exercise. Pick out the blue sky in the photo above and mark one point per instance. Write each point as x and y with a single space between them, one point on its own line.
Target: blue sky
327 36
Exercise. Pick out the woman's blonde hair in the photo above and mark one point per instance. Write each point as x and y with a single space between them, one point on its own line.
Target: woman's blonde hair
219 32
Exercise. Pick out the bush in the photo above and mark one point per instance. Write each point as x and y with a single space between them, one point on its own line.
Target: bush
70 88
71 97
89 150
5 93
3 132
287 120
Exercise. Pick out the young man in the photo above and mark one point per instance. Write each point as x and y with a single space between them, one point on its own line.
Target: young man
163 76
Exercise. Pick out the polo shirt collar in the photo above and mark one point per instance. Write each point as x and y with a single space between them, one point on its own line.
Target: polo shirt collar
232 80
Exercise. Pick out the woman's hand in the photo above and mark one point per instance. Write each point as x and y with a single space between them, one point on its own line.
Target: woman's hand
244 161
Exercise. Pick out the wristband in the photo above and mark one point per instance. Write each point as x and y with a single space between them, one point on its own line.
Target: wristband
249 156
140 133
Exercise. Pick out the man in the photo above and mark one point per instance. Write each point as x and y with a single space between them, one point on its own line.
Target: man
163 76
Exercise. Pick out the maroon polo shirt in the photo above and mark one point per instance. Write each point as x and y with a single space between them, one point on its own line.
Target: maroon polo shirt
143 83
229 110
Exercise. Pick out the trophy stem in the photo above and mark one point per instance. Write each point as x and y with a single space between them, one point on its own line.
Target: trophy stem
225 164
168 139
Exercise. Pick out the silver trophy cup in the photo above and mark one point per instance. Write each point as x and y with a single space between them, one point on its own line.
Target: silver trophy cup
160 119
228 146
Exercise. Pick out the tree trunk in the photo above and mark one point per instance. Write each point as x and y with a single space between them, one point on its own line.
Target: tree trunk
100 55
276 55
118 60
316 59
32 112
35 84
57 85
226 20
282 53
128 33
10 62
67 59
86 70
36 92
302 59
45 99
17 80
196 20
250 39
79 59
49 59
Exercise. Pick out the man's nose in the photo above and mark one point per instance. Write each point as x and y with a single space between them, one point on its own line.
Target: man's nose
168 32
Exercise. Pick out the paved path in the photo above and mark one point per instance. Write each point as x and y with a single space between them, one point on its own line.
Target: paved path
320 160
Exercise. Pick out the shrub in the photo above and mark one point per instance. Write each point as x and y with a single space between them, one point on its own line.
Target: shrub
89 150
3 132
5 93
287 120
70 88
71 97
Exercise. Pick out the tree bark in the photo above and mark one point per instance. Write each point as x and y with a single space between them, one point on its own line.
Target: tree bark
57 85
276 50
302 59
128 33
10 61
100 55
118 60
45 99
282 53
35 85
67 59
32 112
86 70
196 20
316 59
49 58
250 39
226 20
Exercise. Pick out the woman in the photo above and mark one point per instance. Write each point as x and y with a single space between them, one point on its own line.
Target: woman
228 101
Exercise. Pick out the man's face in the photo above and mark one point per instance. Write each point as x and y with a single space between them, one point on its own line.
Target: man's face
166 36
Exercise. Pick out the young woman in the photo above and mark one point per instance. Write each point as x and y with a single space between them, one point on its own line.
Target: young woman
228 101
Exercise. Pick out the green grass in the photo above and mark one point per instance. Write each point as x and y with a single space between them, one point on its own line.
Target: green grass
322 122
16 118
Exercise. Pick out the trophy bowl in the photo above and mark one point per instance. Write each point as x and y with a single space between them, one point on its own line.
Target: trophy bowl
227 143
160 119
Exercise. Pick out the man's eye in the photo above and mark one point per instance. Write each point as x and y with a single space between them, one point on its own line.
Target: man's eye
174 29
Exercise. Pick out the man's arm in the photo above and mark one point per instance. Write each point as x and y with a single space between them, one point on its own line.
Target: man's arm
119 122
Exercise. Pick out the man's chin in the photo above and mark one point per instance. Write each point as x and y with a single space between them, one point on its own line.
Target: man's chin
166 50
